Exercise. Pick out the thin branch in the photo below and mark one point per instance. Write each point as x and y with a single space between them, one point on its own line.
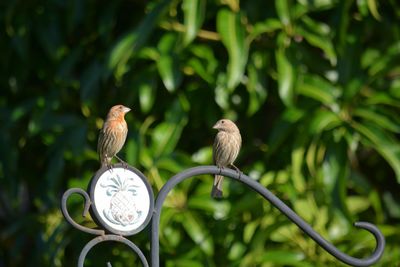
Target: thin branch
176 26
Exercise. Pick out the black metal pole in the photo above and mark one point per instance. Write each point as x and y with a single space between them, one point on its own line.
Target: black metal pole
172 182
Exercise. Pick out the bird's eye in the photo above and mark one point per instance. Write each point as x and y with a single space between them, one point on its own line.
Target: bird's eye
222 121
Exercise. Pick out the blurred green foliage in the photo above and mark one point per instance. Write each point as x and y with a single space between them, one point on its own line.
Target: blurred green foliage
313 85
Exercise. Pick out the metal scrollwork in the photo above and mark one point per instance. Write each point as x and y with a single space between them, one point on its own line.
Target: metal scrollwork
119 215
64 210
115 238
128 192
305 227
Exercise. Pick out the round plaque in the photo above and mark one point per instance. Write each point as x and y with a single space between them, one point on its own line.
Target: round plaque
122 199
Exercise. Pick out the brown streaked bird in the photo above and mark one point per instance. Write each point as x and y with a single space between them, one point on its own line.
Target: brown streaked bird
113 135
226 148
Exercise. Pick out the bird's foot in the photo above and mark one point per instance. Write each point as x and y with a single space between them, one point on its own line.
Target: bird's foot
110 167
237 170
124 164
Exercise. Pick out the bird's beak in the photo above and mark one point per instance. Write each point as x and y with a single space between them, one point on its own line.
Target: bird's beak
215 126
126 109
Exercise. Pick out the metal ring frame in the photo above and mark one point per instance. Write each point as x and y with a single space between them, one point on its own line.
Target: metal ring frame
116 238
201 170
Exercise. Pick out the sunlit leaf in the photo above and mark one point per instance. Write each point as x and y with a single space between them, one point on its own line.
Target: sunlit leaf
256 85
324 120
197 230
373 8
168 66
168 63
283 10
267 26
317 34
335 171
231 29
167 134
376 118
147 94
286 77
297 164
319 89
133 41
384 143
194 12
237 250
386 61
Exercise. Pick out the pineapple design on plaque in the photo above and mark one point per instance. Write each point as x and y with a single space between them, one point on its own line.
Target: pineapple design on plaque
122 199
122 209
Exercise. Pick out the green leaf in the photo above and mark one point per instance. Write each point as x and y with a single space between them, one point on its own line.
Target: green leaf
373 8
200 70
384 98
194 12
167 134
147 94
237 251
197 230
267 26
357 204
297 156
363 7
317 34
168 63
133 41
203 62
232 33
202 202
378 119
369 57
283 10
203 155
169 69
335 171
319 89
282 257
324 120
286 76
386 61
147 85
385 144
183 263
256 85
318 5
132 151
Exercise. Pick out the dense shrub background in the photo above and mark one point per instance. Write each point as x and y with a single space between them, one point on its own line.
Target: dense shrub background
313 85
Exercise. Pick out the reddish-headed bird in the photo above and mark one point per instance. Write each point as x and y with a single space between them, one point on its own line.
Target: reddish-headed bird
113 135
226 148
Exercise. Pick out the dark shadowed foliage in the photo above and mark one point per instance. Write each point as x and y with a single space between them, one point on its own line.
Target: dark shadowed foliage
314 87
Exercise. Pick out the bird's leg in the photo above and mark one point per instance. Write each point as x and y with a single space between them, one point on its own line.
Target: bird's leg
107 162
220 169
123 162
236 169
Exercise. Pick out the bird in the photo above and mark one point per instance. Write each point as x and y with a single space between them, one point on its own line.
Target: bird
226 148
112 135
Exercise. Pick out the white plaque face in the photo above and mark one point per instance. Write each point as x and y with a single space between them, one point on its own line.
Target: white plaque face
122 199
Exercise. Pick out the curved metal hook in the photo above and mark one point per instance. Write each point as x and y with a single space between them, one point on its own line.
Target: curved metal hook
172 182
115 238
64 210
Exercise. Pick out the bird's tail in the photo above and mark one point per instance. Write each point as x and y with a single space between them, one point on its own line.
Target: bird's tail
216 191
